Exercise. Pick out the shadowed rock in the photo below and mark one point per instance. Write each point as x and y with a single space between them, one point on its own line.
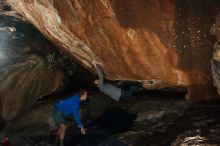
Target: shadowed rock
26 74
215 63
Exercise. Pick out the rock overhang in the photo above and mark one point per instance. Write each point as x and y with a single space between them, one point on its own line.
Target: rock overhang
167 42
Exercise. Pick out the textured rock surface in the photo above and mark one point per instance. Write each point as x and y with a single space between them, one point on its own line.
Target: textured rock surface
147 110
189 124
165 41
34 121
201 129
162 119
215 63
204 137
25 74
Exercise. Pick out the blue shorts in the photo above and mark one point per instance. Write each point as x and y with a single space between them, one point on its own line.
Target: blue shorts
58 116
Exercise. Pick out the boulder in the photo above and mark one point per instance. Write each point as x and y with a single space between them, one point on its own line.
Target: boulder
26 74
167 42
215 62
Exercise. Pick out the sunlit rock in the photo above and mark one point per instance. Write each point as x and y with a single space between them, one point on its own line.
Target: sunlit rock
164 41
205 137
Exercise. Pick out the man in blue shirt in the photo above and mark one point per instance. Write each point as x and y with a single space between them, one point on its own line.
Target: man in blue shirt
66 107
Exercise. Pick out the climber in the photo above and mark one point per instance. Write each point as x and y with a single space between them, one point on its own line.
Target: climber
115 92
65 107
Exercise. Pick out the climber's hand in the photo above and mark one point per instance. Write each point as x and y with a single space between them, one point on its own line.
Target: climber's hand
96 62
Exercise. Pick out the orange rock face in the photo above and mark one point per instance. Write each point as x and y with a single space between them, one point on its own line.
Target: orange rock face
165 41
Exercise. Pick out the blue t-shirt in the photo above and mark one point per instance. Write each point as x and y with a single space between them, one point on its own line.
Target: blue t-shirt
70 106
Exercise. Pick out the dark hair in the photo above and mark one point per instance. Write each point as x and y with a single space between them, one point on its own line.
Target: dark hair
82 92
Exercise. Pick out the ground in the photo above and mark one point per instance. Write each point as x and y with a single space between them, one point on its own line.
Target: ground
162 119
